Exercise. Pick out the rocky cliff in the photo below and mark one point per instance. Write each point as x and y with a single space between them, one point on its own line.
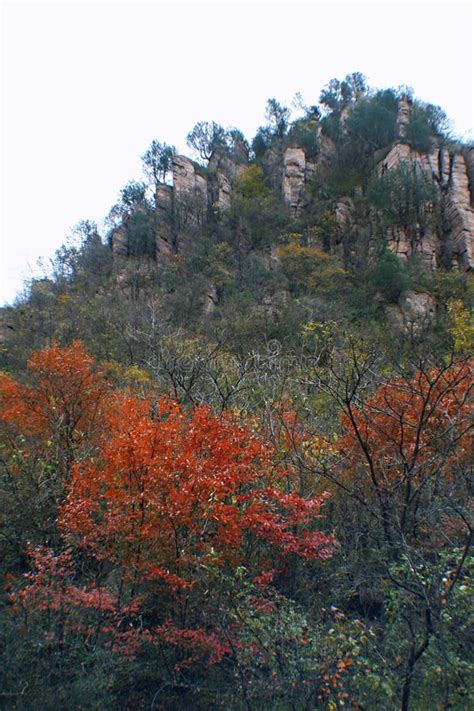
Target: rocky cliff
449 172
447 243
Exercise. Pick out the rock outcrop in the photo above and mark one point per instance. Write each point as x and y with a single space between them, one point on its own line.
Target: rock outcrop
459 213
468 154
404 113
224 190
164 205
415 311
119 241
211 299
224 170
230 167
450 172
446 241
343 212
453 174
294 171
186 201
186 180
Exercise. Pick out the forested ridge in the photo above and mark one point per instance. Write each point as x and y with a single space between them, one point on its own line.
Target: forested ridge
236 426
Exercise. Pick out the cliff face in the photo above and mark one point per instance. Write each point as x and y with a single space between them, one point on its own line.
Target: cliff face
164 206
448 243
119 241
459 211
186 180
449 172
294 174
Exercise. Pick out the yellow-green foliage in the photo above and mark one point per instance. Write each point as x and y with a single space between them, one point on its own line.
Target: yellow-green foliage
319 332
309 268
220 262
327 227
251 182
134 374
462 331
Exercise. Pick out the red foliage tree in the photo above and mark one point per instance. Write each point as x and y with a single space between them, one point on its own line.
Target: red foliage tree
48 420
71 609
161 505
169 492
408 442
402 471
61 401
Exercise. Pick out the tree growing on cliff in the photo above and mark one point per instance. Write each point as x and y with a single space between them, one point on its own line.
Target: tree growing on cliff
337 94
133 197
407 202
158 161
205 138
372 122
278 117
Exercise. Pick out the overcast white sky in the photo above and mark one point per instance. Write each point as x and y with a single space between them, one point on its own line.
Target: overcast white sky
87 85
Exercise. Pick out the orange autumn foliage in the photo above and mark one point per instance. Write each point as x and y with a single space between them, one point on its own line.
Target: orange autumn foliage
159 504
411 430
61 401
169 490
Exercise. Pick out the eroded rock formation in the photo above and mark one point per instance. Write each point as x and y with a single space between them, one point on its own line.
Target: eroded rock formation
450 172
224 190
447 241
459 212
186 180
404 113
294 161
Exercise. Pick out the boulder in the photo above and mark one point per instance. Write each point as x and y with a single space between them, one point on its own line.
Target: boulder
414 312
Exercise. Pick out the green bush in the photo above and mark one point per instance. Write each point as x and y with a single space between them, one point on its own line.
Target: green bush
418 132
405 197
389 277
141 234
304 133
373 122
